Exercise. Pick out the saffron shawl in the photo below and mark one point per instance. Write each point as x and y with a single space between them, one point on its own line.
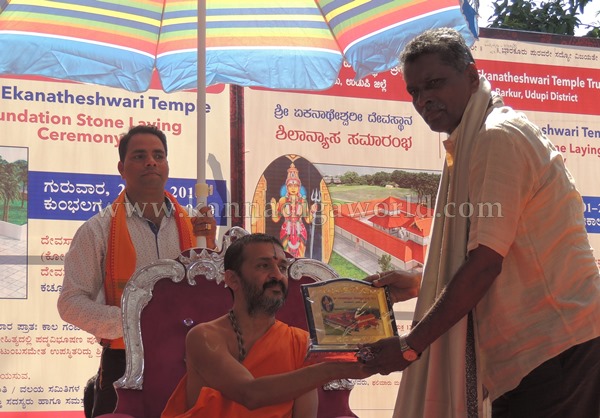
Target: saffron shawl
121 256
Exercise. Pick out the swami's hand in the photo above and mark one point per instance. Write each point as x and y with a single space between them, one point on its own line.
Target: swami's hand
403 285
205 225
354 370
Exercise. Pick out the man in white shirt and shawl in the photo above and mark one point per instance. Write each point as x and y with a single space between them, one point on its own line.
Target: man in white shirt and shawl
507 322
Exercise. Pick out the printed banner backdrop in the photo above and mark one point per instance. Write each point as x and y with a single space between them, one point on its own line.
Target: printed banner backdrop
366 161
67 134
358 130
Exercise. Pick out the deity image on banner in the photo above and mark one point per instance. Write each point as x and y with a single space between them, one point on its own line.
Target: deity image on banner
292 202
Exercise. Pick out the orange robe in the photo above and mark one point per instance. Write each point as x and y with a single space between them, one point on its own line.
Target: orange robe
281 349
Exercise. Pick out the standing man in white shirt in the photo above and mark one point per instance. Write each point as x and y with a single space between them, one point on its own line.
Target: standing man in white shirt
144 224
510 298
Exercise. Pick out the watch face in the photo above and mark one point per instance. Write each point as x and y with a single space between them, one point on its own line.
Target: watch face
410 355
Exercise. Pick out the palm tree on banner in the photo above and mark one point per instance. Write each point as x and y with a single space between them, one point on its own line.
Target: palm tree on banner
22 176
9 186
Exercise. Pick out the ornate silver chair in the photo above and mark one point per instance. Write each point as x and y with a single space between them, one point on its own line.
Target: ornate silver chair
162 301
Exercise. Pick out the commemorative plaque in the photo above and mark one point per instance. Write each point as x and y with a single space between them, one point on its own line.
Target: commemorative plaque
343 313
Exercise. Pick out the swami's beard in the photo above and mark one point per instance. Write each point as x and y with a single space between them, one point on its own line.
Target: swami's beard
258 301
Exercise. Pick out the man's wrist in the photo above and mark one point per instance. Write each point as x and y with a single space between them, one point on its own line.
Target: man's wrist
408 352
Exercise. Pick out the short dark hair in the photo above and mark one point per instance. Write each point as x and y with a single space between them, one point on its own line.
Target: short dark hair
234 256
140 129
447 43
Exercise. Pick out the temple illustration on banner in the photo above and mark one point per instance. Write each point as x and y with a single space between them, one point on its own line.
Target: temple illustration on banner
390 225
381 215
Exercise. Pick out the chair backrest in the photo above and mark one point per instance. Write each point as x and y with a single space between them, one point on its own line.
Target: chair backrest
162 301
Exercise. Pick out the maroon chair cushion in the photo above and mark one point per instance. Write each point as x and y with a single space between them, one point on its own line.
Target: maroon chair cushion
129 402
334 404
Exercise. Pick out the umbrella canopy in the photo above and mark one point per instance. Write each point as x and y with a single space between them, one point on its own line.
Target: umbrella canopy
280 44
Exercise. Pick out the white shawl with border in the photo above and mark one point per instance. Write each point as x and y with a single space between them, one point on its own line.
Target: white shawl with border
435 385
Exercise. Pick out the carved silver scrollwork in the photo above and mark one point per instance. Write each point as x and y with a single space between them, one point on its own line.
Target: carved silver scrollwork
315 269
136 295
207 264
233 234
340 384
202 262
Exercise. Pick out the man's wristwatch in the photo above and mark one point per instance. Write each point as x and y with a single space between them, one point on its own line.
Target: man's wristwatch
408 353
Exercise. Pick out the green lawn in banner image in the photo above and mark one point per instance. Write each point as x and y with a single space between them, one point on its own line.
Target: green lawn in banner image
341 193
16 214
345 268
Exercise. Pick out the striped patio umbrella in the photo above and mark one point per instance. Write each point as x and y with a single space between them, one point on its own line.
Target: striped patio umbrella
280 44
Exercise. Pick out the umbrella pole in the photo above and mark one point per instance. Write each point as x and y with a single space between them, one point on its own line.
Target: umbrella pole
202 189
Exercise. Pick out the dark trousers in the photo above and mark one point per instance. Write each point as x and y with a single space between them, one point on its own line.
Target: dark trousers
565 386
100 396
